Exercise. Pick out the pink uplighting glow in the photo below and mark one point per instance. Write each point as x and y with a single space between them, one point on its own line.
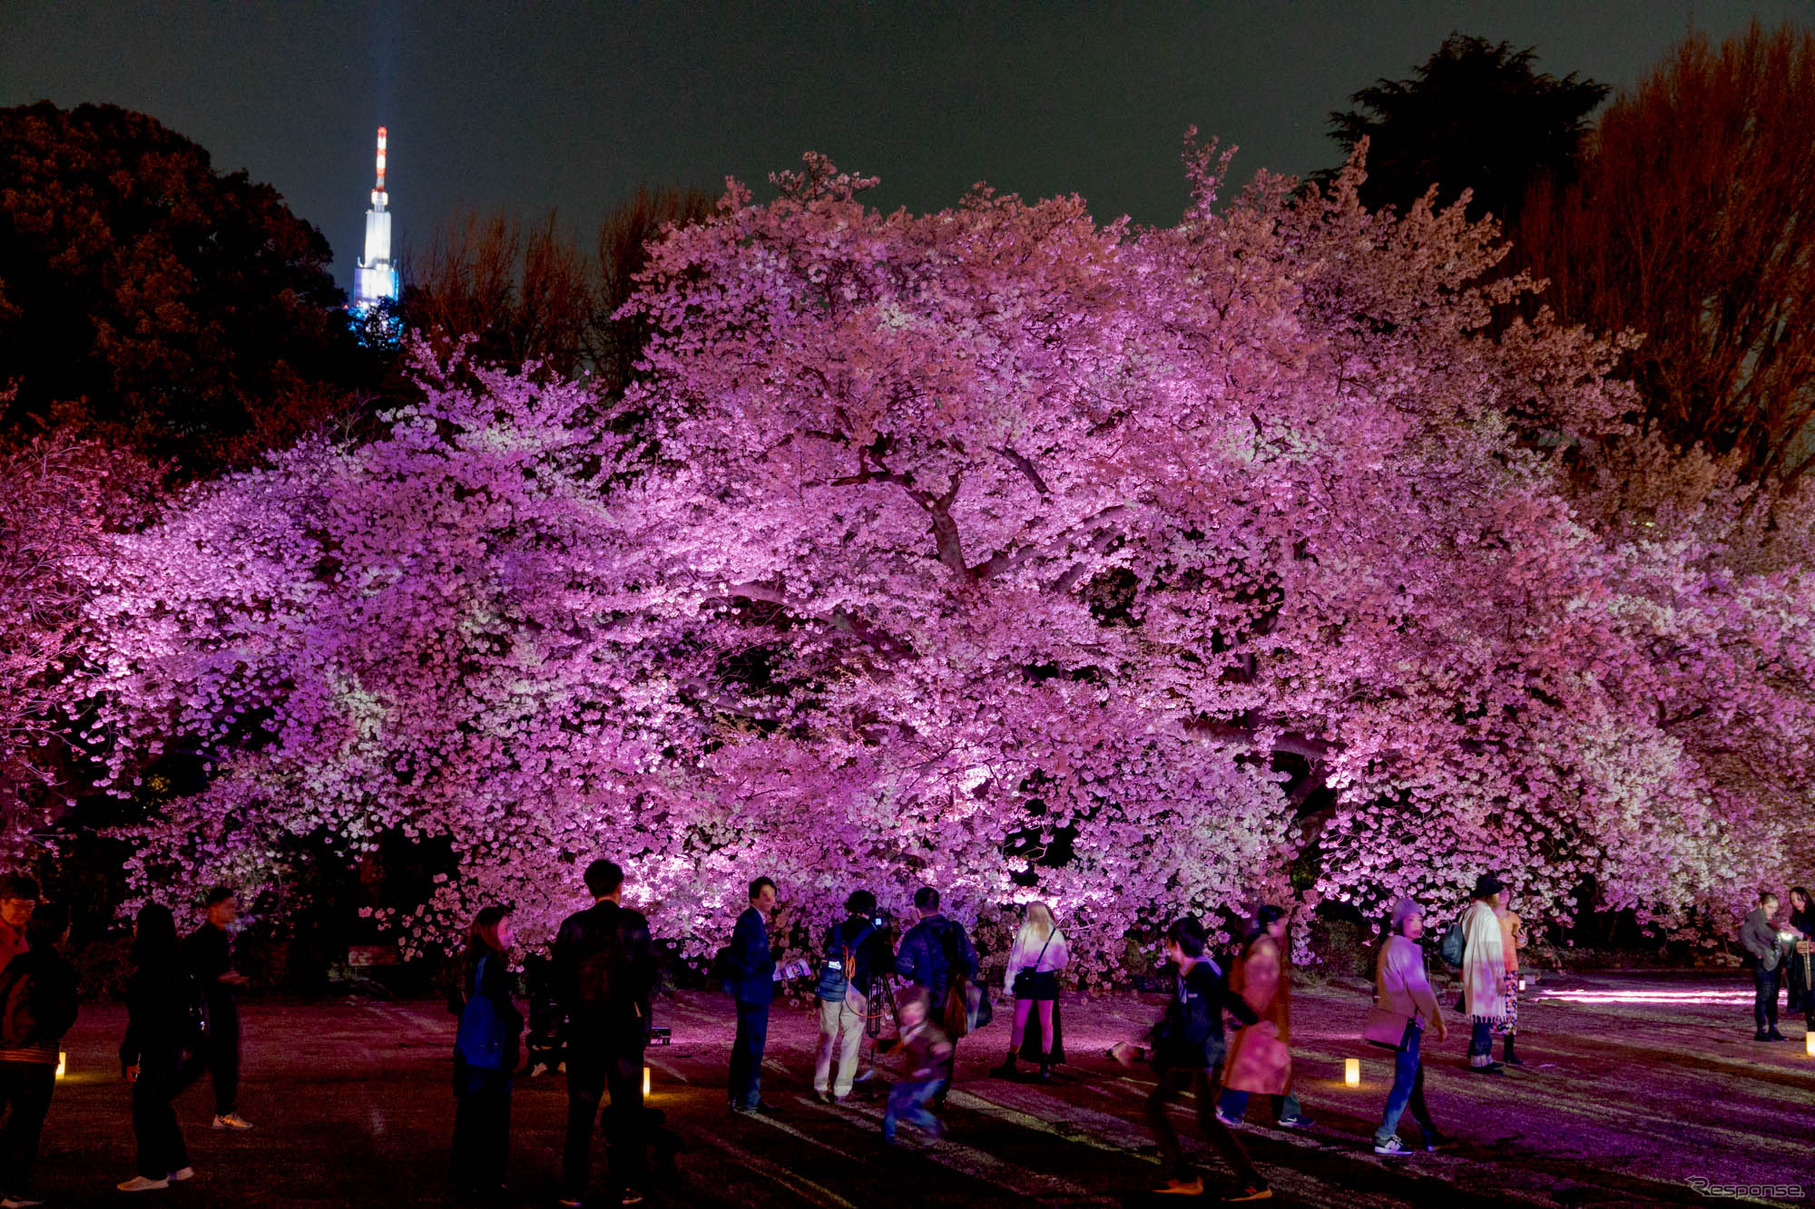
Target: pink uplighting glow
1738 996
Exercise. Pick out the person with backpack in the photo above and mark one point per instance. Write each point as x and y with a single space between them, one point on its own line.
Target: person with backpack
750 981
485 1056
1186 1050
937 956
1483 974
1262 976
603 975
165 1020
37 1006
1404 1006
855 951
209 954
1035 959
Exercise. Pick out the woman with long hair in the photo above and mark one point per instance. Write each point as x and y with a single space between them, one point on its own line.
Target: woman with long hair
1262 976
161 1025
485 1056
1800 960
1034 962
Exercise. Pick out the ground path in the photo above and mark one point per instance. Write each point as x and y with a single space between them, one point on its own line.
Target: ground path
1624 1100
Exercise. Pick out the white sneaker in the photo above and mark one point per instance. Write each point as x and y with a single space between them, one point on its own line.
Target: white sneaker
232 1121
139 1183
1231 1122
18 1202
1392 1146
181 1174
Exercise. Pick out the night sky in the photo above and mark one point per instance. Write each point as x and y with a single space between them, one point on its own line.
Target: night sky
571 106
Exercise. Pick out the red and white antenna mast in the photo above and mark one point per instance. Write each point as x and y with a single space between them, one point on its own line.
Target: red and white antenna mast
378 191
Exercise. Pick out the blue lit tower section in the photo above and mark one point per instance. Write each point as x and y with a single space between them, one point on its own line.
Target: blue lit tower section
376 276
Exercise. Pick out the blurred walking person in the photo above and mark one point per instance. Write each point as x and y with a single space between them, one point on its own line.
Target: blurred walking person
603 976
1483 974
1404 1006
1511 933
855 951
925 1061
1259 1063
485 1056
937 956
1764 953
37 1006
1186 1049
1035 960
209 954
163 1023
750 980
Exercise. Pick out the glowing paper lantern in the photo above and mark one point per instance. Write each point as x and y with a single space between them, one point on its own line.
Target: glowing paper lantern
1521 984
645 1080
1351 1071
63 1062
1808 1044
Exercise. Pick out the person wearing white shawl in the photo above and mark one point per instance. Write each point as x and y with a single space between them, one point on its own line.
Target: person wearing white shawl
1483 973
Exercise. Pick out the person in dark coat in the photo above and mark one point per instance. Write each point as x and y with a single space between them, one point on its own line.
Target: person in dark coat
37 1006
162 1024
209 954
485 1056
543 1043
603 975
750 980
1799 961
1186 1049
1764 952
936 955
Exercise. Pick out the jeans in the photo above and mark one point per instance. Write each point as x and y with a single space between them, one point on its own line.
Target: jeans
1764 998
25 1091
1481 1043
840 1029
908 1098
154 1124
1204 1085
481 1133
590 1075
1408 1090
1235 1105
747 1054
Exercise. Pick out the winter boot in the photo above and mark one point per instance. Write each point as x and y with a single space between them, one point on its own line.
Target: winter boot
1007 1069
1045 1067
1512 1059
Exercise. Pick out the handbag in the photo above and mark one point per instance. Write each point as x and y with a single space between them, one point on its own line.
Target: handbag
1014 988
1384 1026
480 1041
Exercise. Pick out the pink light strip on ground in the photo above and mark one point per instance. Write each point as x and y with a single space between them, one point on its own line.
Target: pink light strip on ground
1646 996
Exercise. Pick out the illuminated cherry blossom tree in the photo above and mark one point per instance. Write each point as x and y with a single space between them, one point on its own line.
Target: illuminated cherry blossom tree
1004 551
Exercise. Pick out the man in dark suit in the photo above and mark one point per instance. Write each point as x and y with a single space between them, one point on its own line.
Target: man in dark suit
750 980
603 975
1758 936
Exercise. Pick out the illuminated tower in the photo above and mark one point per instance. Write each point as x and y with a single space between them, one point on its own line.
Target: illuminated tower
376 276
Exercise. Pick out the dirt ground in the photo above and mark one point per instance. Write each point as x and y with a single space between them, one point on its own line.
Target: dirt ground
1620 1103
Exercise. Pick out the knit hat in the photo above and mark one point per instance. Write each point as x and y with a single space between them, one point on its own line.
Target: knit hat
1403 910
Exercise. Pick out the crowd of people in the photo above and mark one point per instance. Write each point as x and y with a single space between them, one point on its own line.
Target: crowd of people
590 1015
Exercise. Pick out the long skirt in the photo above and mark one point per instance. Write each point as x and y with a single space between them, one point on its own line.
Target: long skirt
1511 1023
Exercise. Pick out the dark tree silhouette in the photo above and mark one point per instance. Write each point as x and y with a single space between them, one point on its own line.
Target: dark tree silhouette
519 292
146 297
1691 224
1476 115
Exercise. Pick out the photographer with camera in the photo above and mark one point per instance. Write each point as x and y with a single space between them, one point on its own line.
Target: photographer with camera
855 952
